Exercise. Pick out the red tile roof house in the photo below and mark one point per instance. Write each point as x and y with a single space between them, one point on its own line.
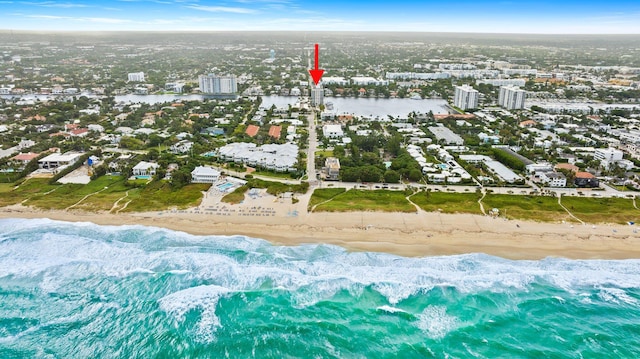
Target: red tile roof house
25 158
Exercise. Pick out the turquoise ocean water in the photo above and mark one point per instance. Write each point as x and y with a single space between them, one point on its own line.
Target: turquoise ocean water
87 291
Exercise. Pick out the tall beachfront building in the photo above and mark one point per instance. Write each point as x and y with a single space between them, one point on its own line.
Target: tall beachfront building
135 76
511 97
465 97
218 85
317 95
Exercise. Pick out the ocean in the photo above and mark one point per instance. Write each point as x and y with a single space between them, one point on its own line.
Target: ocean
79 290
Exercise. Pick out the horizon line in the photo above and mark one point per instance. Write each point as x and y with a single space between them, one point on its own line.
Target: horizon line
316 31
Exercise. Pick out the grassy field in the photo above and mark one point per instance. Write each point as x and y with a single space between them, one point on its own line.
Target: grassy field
535 208
323 194
159 195
236 196
362 200
602 210
67 195
153 196
279 175
27 189
447 202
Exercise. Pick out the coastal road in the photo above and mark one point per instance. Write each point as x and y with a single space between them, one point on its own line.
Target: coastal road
313 138
311 151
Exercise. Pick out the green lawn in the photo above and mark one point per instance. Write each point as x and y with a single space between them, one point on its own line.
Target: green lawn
159 195
68 194
27 189
236 196
602 210
536 208
363 200
150 197
322 194
447 202
281 175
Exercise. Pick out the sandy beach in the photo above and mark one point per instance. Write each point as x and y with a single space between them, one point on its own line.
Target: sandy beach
406 234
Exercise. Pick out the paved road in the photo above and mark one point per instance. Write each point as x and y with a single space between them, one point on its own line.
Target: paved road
311 151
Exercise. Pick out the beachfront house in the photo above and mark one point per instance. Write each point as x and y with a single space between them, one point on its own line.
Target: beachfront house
145 169
22 159
204 174
57 160
331 169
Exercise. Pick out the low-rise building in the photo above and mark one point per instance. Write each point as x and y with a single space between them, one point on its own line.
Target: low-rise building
586 179
183 146
331 169
57 160
204 174
145 168
553 179
332 131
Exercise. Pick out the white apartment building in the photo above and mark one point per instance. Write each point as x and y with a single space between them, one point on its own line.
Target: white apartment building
317 95
218 85
136 76
335 80
503 82
607 156
465 97
511 97
366 80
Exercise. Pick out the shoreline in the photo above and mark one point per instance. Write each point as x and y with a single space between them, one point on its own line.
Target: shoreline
405 234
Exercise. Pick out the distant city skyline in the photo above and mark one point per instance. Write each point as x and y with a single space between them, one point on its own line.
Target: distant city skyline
534 17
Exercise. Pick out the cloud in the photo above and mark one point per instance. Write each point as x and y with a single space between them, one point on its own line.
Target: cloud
263 1
234 10
53 4
98 20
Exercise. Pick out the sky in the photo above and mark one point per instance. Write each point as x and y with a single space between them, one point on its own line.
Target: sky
480 16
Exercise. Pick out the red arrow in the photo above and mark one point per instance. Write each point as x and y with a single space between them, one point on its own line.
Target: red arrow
316 74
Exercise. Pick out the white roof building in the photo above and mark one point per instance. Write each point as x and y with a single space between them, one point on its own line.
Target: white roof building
203 174
280 158
56 160
366 80
145 169
332 131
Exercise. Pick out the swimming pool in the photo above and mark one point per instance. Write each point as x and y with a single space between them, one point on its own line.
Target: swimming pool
143 177
224 186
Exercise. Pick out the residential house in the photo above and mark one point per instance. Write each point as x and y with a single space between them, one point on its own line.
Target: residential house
331 169
145 169
204 174
553 179
22 159
332 131
183 146
586 179
58 160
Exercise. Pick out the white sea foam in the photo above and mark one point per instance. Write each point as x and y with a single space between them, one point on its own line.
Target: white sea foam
435 322
392 310
204 298
616 295
50 249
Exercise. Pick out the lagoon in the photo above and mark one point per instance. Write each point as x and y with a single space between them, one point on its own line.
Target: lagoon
364 107
368 107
